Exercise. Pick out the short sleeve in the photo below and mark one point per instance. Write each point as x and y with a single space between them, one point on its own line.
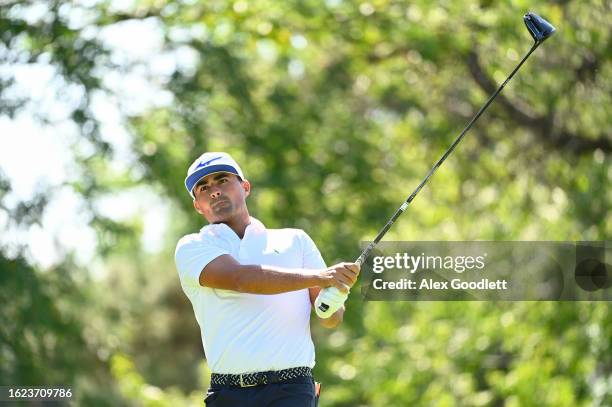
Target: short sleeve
312 258
192 255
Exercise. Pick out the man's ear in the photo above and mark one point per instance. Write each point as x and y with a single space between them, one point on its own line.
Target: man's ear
246 185
197 207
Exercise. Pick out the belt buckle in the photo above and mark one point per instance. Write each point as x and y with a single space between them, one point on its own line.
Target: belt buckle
246 385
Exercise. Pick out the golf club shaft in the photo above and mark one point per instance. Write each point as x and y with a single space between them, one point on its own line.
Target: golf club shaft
540 30
323 307
366 252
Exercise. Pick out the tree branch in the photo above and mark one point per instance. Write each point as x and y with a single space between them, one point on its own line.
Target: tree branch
522 114
518 110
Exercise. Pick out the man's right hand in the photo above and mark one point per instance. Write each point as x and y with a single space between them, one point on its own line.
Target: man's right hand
342 276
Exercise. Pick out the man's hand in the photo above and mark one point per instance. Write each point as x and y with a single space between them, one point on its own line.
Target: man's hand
342 276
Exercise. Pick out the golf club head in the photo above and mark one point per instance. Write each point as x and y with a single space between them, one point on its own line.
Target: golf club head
539 28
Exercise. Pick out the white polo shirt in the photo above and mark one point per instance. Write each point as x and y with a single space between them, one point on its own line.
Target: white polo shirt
241 332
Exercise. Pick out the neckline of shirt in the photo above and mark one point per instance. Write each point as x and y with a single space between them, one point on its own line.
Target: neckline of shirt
254 227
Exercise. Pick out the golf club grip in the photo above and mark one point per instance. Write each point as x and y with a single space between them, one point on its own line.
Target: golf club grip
322 309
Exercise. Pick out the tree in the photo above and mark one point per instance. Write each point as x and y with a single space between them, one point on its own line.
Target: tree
336 110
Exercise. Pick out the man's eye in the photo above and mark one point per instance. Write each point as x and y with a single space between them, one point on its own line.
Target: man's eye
222 180
203 188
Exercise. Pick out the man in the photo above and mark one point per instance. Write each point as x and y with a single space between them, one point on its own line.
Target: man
252 291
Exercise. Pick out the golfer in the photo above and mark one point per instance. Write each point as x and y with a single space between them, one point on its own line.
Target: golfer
252 291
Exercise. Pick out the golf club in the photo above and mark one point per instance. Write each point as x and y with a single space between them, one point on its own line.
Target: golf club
540 30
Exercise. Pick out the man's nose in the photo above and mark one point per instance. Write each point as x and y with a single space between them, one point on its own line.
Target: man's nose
215 194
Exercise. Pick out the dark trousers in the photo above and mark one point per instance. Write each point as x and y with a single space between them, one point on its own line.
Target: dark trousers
298 392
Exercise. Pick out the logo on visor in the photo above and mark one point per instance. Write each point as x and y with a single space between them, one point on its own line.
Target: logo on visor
204 164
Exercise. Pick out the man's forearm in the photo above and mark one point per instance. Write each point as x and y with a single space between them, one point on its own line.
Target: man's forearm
334 320
256 279
225 273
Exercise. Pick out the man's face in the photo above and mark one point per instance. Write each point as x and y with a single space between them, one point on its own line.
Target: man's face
220 196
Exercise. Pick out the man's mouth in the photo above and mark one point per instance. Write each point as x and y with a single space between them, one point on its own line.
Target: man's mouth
216 204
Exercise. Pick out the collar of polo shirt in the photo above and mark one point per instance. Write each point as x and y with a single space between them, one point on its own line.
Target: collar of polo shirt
253 228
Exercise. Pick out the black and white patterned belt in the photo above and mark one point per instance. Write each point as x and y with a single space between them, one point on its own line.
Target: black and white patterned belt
259 378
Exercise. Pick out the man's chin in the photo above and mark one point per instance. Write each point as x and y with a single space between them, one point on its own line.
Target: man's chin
221 216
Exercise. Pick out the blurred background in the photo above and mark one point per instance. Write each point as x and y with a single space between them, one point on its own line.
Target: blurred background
335 110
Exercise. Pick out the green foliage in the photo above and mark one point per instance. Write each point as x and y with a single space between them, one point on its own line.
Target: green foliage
45 336
335 110
35 331
137 391
472 354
